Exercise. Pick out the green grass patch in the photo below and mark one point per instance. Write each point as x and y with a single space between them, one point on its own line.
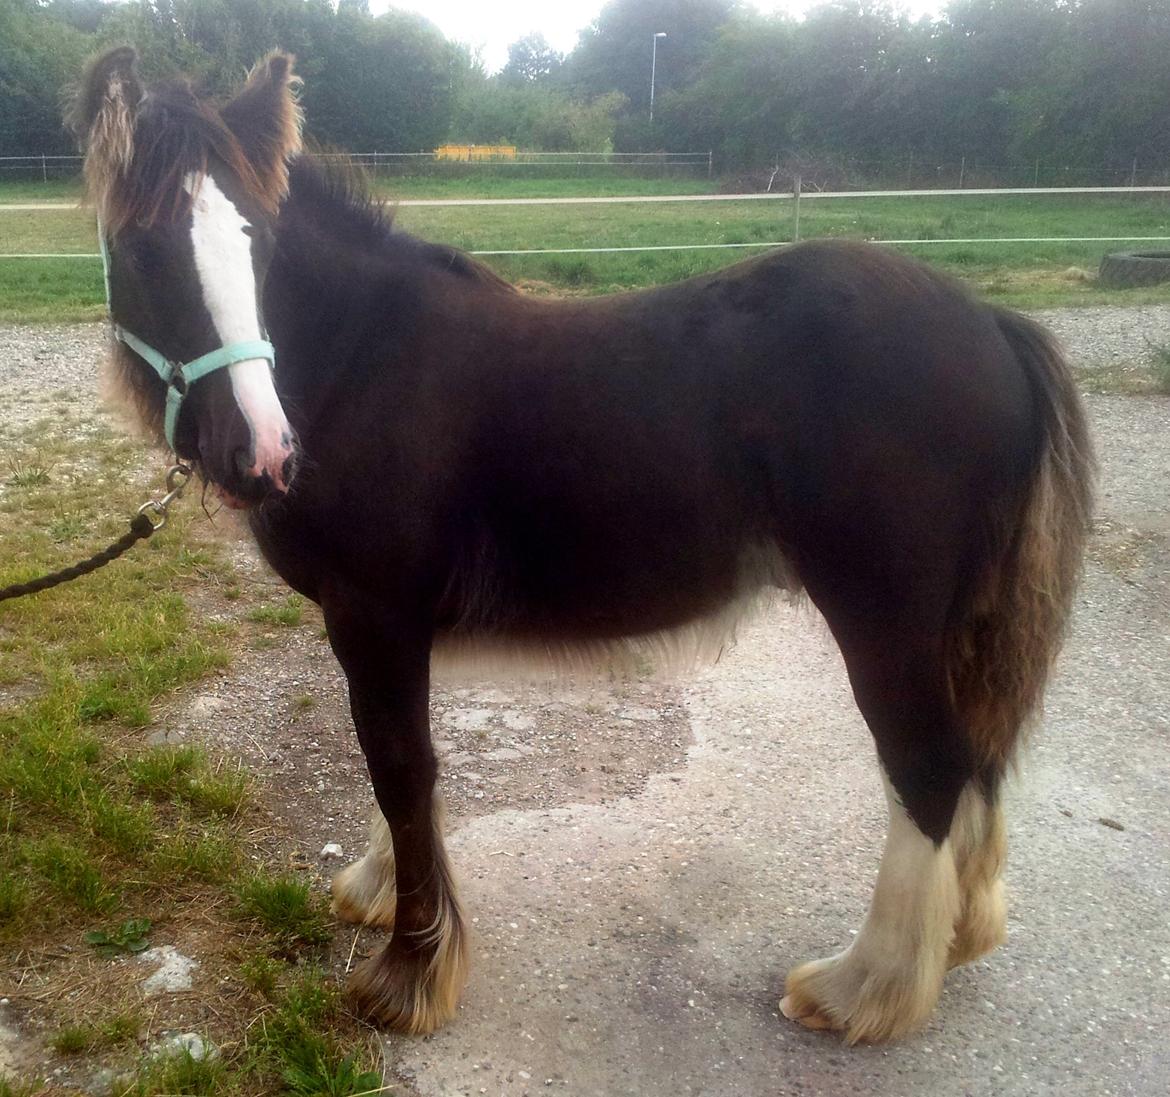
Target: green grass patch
101 834
1160 368
1021 274
177 1073
287 614
286 908
97 655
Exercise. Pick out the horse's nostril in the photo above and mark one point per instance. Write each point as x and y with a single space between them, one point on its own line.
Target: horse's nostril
289 469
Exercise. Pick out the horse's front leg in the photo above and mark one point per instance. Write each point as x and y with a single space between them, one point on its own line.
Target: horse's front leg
413 984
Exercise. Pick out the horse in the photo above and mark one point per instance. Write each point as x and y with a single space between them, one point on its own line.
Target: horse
441 461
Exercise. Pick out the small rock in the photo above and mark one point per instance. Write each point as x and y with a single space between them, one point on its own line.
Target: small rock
164 737
173 970
190 1043
331 850
1112 824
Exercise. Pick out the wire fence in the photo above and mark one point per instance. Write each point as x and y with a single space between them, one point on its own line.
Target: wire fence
820 172
795 197
430 164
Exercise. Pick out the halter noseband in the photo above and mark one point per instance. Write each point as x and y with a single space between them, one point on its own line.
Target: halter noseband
180 376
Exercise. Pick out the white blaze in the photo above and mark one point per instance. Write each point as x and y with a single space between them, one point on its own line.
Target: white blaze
223 260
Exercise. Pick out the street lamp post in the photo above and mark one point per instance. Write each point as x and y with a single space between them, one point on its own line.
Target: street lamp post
653 64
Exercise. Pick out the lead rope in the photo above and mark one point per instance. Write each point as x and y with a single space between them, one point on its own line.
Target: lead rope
148 520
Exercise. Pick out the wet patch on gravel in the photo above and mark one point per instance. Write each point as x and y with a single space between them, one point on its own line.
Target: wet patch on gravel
284 711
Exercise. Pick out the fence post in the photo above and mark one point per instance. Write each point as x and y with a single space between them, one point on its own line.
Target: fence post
44 170
710 158
1036 174
1133 172
962 171
796 210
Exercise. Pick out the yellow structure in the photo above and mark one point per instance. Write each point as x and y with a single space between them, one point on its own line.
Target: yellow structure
475 152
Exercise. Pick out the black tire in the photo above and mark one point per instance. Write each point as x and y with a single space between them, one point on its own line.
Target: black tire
1134 268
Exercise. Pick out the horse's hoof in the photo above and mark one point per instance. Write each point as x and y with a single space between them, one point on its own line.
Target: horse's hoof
981 928
812 1017
411 992
869 1000
364 894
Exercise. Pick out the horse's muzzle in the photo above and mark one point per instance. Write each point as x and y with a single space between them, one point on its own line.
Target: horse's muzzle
256 478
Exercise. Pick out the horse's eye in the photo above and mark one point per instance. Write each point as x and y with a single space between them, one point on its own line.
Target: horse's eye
146 256
250 230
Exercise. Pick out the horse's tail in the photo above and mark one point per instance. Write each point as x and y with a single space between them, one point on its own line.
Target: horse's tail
1009 626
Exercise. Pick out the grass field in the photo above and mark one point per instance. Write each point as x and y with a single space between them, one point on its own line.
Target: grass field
1024 275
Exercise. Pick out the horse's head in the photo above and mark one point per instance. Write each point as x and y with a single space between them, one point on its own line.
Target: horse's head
187 196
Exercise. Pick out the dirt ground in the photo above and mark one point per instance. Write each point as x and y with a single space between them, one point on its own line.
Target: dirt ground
642 859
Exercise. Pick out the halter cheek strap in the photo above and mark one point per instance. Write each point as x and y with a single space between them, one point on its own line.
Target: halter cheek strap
178 376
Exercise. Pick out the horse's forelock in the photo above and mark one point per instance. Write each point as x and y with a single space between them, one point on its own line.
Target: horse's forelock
172 136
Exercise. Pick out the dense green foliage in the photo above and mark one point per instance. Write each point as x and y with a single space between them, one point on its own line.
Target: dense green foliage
1076 83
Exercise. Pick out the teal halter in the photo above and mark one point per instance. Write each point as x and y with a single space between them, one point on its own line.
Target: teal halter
179 376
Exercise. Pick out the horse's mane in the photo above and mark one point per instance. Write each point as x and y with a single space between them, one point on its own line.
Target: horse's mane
174 134
341 204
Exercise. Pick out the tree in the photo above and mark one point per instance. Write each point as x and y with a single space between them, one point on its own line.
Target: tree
387 83
41 55
615 52
531 60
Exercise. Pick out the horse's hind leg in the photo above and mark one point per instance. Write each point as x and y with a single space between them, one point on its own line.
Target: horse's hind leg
888 980
413 983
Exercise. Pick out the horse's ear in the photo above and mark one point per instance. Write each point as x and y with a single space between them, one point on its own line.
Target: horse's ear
102 110
266 120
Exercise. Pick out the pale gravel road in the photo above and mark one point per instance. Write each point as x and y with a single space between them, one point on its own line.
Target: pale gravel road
637 946
38 360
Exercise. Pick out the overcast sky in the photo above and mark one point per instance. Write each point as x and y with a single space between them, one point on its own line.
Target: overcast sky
493 24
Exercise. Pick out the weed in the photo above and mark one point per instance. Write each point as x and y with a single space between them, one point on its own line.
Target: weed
295 1043
287 909
302 702
72 1039
182 773
203 854
12 1087
159 772
180 1073
331 1079
260 974
25 474
130 936
121 1028
66 528
14 897
73 874
1160 367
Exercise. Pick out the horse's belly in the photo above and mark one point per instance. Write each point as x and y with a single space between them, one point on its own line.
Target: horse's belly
638 623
